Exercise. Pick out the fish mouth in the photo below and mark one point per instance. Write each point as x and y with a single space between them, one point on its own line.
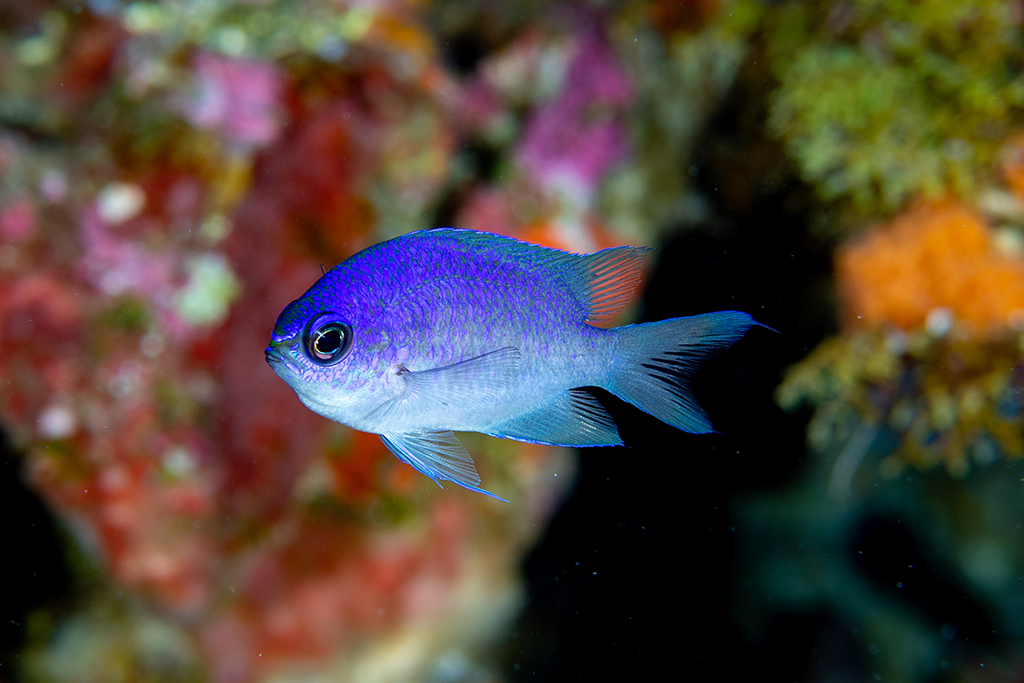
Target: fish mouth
273 356
277 362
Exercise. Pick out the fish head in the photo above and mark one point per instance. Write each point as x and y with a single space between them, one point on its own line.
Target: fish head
331 359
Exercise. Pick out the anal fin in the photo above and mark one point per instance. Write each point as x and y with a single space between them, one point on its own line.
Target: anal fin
439 455
573 418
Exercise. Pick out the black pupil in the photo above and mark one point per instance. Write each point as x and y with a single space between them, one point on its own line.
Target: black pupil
328 342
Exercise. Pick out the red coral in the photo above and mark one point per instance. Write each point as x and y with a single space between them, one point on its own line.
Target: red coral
682 16
308 594
355 471
302 210
90 57
172 450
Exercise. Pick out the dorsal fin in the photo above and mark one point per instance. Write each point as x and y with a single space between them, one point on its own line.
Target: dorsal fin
605 281
602 283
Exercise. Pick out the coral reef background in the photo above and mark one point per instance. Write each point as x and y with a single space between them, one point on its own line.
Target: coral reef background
850 172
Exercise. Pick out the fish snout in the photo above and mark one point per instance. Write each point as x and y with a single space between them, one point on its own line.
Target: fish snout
273 355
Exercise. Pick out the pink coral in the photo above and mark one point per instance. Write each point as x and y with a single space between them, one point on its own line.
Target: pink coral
116 265
574 139
239 97
17 221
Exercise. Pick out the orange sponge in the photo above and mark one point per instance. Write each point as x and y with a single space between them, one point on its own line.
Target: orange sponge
933 256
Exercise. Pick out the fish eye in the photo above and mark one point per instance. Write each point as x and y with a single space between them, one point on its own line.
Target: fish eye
327 340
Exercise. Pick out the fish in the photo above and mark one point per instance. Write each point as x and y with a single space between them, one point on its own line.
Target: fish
449 330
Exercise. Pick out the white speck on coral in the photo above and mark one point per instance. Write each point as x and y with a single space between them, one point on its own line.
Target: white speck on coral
178 462
896 341
232 41
57 421
211 287
113 282
215 228
125 382
1016 319
118 202
939 321
53 185
1009 241
151 345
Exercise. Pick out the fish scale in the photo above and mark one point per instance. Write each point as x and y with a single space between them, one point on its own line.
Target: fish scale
452 330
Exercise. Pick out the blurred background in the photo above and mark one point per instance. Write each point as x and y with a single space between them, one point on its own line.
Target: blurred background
850 172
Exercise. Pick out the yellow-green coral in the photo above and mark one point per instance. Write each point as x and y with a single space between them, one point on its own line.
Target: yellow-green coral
882 101
934 399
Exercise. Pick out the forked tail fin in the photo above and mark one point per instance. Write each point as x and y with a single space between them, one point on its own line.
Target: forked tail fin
655 361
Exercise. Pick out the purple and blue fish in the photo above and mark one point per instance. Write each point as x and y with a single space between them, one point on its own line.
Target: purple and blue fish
448 330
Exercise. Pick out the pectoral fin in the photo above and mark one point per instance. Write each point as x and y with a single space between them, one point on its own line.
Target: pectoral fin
439 455
475 380
467 384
